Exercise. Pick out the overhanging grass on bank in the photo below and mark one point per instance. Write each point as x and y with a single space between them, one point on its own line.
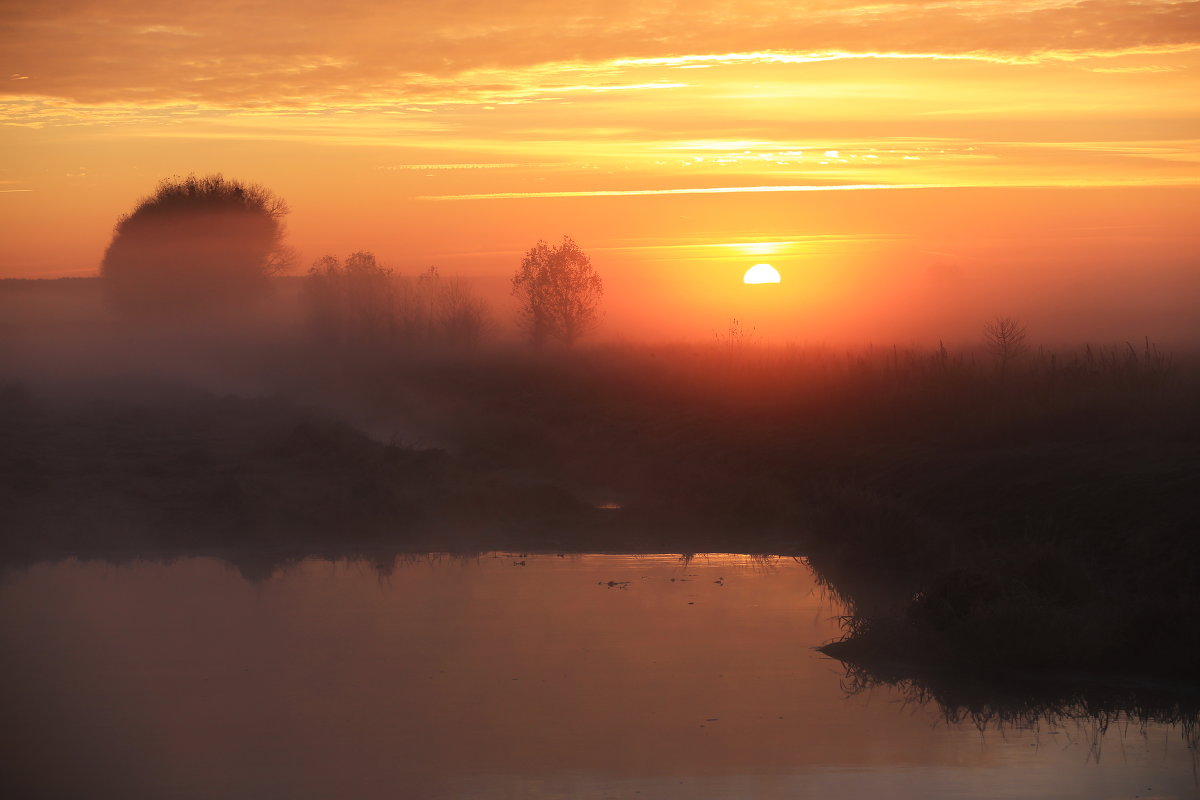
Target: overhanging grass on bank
1045 519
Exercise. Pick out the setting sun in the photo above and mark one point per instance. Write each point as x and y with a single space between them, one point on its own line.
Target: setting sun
761 273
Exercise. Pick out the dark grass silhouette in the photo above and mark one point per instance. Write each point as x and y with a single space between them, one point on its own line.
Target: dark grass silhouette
1083 706
163 469
1040 521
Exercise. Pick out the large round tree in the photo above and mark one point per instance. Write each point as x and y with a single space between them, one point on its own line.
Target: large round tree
197 245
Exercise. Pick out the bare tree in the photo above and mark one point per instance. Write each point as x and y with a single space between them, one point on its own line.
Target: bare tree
559 293
1005 338
464 318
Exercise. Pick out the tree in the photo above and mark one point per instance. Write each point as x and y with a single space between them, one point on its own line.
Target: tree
456 315
196 245
1004 338
353 302
559 293
362 303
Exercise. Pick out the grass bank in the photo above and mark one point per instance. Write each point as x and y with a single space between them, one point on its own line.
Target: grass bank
1044 519
1041 517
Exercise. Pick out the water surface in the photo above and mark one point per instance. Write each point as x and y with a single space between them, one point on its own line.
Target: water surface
500 676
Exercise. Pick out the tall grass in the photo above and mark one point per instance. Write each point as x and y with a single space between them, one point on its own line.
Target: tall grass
1083 704
1039 518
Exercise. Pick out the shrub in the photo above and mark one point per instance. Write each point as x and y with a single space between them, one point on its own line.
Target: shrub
196 245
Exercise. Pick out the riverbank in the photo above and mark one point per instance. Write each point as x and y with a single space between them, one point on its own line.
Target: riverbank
1039 517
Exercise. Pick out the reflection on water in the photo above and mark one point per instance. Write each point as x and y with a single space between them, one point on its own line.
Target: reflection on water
497 676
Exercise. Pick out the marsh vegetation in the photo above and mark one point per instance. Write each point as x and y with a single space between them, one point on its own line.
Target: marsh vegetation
1027 508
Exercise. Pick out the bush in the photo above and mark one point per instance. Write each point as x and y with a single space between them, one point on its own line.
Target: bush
197 245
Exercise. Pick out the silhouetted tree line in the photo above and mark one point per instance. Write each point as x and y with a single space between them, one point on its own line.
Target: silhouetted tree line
207 245
362 302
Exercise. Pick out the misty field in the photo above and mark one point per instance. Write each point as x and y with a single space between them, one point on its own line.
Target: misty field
970 516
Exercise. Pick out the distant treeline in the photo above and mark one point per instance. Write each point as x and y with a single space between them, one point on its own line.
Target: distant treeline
360 302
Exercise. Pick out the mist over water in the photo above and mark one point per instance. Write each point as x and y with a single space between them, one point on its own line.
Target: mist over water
497 675
252 489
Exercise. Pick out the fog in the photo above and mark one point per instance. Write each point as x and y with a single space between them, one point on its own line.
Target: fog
644 412
987 486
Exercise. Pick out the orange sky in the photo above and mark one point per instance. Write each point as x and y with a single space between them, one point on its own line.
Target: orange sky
908 166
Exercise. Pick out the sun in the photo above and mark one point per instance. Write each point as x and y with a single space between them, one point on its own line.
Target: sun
761 273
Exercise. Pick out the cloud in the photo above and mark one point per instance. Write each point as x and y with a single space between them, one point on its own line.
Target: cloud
1135 69
691 190
438 167
993 57
858 187
310 52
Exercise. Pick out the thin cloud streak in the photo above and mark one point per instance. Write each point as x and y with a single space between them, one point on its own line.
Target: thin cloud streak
793 57
848 187
432 167
704 190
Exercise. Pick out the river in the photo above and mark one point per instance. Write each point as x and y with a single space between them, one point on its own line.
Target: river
497 676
